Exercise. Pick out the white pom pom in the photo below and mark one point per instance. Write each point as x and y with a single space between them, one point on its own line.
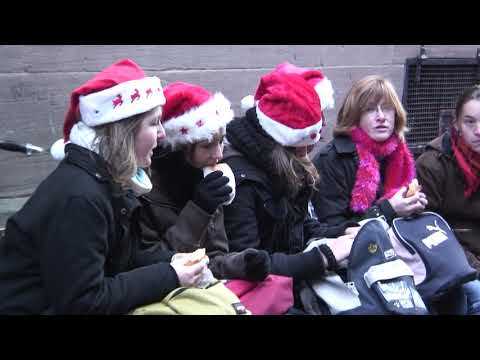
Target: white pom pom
325 91
248 102
58 149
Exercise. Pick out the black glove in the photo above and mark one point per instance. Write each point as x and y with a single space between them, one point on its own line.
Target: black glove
257 264
212 191
249 264
302 266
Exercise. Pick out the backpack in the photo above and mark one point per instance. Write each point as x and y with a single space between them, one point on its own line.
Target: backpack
215 299
376 280
427 244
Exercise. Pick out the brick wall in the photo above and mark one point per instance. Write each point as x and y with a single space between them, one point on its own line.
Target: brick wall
35 82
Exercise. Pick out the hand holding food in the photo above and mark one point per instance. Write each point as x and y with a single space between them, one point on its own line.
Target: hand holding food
227 171
413 188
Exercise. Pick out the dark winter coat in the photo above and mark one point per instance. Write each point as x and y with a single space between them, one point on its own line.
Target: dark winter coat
73 248
263 216
337 164
172 220
442 182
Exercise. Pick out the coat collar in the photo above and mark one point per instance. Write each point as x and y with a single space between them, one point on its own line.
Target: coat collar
124 201
89 161
442 144
343 144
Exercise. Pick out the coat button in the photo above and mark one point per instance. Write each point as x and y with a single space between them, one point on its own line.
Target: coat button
242 175
123 211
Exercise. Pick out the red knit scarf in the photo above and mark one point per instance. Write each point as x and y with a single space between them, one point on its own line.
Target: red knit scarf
399 171
468 161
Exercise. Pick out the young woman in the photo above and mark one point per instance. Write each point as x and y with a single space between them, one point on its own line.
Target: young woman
267 151
74 247
184 210
449 173
367 167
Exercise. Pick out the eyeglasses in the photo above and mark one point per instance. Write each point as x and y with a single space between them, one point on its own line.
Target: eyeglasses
375 109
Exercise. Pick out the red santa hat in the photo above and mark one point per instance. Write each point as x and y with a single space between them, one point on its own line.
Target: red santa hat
289 102
321 84
192 114
117 92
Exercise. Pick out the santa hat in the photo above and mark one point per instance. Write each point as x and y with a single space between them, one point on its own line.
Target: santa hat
117 92
288 108
321 84
316 78
192 114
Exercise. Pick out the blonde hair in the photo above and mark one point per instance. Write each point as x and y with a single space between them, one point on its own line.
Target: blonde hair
364 92
116 144
296 171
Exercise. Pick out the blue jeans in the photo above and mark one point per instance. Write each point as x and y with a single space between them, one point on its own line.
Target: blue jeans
472 294
464 300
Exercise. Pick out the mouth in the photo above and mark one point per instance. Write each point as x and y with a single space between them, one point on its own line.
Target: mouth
382 128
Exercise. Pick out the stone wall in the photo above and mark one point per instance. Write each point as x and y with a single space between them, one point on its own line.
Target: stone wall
35 83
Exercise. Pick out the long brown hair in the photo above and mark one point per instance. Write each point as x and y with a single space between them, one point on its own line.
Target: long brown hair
297 172
116 145
363 93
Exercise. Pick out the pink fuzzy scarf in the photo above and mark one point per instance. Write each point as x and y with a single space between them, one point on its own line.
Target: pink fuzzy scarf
400 169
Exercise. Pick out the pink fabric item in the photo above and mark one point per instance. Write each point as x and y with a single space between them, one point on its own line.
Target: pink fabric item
272 296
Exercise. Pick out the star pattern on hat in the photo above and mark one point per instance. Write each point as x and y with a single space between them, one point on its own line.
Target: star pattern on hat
200 123
148 92
184 130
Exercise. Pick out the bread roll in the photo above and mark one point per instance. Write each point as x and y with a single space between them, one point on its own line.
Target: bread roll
195 257
413 188
227 171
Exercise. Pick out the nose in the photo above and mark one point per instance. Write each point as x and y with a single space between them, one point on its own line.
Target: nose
476 129
160 132
380 114
218 152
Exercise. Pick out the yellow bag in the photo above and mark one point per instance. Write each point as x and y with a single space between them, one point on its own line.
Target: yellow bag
215 299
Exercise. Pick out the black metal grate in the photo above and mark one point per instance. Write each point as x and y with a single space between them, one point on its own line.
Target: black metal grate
435 87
